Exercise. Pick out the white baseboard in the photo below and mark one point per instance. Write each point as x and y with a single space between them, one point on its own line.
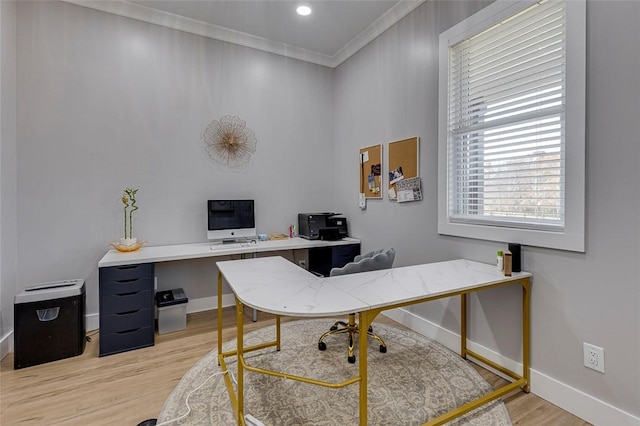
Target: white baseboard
585 406
209 303
93 321
6 344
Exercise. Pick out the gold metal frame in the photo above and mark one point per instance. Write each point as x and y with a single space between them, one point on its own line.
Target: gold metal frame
365 319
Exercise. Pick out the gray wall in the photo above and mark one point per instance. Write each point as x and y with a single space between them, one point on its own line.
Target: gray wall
8 167
389 91
107 102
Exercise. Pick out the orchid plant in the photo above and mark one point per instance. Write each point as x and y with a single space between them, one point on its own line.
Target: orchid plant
129 201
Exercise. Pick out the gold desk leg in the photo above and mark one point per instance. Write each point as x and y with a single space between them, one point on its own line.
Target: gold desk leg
463 325
277 332
219 314
365 319
526 337
240 349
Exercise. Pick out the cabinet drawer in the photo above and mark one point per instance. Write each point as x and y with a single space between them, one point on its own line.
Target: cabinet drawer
126 302
126 272
341 255
125 286
127 340
124 321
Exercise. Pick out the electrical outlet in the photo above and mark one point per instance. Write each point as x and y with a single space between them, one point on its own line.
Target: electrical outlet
593 357
302 263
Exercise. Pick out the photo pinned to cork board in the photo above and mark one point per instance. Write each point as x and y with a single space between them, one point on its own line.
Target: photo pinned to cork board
370 174
404 179
409 190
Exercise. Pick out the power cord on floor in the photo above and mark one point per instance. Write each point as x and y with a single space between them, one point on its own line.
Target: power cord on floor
252 421
194 390
93 333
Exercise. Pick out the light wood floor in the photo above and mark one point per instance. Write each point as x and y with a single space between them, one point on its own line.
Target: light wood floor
127 388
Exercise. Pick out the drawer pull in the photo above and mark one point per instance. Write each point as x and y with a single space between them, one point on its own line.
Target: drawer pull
127 331
127 280
128 312
128 266
128 294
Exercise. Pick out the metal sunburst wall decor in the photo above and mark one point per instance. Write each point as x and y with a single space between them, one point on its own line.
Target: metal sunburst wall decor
229 141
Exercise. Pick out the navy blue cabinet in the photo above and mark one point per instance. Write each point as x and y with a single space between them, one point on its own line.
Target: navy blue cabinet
126 308
322 259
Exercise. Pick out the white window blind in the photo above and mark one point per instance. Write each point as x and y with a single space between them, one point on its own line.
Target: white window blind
506 122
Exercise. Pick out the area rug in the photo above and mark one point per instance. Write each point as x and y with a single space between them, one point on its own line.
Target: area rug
416 380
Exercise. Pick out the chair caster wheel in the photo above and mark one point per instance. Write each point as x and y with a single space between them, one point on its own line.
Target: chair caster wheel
322 346
383 349
333 328
351 359
370 329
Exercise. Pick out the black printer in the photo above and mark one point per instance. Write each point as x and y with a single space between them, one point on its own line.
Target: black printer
322 226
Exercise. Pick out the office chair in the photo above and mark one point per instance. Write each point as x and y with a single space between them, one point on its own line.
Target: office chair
372 261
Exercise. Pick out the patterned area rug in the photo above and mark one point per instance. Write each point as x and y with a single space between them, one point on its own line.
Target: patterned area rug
415 381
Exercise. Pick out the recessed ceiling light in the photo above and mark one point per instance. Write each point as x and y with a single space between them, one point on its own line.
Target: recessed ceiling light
303 10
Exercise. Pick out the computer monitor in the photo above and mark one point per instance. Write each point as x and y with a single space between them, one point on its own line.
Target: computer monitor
231 220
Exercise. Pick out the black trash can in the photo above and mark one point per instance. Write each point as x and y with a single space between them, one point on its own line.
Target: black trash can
49 322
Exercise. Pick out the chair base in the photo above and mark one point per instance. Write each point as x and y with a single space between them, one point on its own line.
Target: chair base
351 329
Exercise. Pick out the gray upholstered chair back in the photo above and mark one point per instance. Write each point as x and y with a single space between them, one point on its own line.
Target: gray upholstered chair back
372 261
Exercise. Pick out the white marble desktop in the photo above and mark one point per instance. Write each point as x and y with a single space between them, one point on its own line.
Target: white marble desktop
149 254
277 286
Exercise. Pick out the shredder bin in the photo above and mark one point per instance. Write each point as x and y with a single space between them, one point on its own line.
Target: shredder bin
49 322
172 310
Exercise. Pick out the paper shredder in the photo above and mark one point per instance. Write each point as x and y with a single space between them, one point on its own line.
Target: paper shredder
49 322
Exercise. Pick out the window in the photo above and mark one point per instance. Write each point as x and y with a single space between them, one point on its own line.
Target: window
511 125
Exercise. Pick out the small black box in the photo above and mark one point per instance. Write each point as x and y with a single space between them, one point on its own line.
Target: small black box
49 322
516 265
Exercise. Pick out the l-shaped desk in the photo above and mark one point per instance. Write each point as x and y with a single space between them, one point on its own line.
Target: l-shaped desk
277 286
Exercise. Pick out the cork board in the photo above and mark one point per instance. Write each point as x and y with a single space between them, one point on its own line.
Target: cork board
370 165
403 161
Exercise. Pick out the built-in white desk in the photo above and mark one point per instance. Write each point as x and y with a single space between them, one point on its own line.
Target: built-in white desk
126 284
275 285
152 254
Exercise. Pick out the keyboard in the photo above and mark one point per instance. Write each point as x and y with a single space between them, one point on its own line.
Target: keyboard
231 246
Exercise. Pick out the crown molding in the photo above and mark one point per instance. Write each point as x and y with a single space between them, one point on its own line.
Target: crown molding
379 26
193 26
